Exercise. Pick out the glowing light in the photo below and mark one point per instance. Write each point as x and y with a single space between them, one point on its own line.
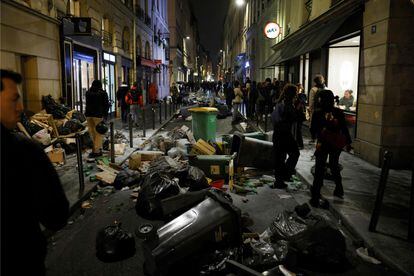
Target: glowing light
239 2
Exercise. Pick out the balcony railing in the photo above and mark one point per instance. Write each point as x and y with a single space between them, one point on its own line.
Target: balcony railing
106 38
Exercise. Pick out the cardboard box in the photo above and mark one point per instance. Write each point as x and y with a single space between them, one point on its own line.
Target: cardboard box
57 156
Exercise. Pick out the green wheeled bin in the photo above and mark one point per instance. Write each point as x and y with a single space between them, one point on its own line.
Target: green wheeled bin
204 123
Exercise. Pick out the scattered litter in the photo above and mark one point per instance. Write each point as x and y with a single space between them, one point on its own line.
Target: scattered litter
363 253
125 188
245 200
285 196
114 244
86 205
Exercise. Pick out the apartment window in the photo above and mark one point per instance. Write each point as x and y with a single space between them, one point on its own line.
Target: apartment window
139 46
73 8
106 32
126 39
147 50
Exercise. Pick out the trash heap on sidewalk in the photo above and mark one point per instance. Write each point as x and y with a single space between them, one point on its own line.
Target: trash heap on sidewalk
55 124
205 100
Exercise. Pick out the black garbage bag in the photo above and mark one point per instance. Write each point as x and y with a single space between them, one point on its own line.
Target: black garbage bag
31 128
155 188
74 125
58 111
195 180
114 244
264 255
63 130
79 116
167 166
285 226
320 248
126 178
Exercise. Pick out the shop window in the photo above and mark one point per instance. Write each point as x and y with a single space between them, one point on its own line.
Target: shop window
343 71
126 39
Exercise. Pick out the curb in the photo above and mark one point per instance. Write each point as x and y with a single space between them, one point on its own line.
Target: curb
357 235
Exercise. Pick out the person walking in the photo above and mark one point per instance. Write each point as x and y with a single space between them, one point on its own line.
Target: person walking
238 99
135 101
252 100
319 85
284 119
97 106
329 125
31 192
301 110
120 95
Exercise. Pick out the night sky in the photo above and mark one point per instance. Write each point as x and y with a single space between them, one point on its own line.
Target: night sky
210 15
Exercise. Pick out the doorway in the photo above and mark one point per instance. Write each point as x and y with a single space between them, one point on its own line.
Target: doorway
83 76
108 81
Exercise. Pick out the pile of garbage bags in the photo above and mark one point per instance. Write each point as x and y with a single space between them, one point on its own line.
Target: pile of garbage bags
58 111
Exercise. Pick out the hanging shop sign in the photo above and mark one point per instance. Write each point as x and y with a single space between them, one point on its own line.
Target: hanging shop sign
272 30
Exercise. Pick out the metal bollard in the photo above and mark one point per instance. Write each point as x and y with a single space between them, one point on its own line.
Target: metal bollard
381 190
111 129
131 138
80 165
411 211
153 116
170 109
160 109
144 125
165 110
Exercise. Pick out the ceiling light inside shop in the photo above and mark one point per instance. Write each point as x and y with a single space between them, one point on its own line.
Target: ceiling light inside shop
239 2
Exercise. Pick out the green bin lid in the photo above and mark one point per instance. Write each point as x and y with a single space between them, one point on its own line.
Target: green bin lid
203 109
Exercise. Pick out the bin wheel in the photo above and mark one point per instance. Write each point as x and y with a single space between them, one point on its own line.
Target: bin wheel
146 231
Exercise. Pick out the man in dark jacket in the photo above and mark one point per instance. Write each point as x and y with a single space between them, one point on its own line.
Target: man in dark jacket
31 192
329 125
284 119
120 96
97 106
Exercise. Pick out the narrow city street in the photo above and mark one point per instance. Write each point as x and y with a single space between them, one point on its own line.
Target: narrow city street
72 250
207 137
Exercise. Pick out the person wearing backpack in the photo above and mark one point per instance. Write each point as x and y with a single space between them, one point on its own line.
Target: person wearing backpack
135 101
284 119
329 125
97 106
319 81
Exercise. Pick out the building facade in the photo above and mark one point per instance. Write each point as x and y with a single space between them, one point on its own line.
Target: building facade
61 46
183 41
358 45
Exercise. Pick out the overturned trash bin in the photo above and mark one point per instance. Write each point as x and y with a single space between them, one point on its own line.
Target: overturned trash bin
252 152
213 223
204 123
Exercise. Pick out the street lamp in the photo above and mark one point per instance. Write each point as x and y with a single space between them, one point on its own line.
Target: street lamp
187 37
239 3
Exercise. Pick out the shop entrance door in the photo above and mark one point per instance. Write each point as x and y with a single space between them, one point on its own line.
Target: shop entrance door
109 85
83 75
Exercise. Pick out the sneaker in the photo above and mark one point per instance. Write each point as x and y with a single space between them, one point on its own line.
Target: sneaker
279 185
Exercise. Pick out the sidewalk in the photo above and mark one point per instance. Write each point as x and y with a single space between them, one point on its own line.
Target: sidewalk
360 180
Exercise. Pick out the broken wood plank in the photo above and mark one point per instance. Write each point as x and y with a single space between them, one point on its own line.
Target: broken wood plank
106 177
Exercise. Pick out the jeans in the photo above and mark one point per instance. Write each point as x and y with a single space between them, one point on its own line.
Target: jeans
321 157
285 145
124 113
134 111
95 136
236 107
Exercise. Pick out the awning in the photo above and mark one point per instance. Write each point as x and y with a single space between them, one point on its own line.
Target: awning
272 60
312 36
312 41
147 63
